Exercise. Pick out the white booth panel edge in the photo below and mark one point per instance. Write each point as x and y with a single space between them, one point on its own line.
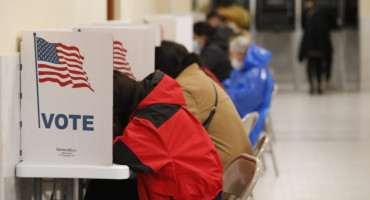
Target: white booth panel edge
10 186
42 170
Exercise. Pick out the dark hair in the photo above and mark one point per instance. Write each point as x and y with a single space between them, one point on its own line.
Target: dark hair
168 51
167 62
127 94
203 28
179 50
191 59
214 13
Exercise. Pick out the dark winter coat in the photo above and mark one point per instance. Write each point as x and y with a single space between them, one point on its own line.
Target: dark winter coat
215 59
316 39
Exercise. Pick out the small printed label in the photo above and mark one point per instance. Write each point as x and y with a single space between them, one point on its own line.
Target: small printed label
66 152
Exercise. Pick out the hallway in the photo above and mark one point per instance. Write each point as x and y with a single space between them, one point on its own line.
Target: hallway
322 148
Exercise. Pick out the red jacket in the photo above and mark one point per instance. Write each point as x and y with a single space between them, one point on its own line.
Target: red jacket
168 147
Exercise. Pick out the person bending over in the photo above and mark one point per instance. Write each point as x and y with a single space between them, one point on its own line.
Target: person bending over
201 94
162 142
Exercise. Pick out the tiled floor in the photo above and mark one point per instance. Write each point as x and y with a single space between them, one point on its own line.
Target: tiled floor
322 148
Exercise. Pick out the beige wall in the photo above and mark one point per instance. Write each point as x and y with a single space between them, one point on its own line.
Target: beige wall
181 6
135 10
18 15
364 7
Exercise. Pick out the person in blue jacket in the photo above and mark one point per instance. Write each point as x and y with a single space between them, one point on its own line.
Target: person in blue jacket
251 84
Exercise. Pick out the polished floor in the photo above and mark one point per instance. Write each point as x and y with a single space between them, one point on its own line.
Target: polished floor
322 148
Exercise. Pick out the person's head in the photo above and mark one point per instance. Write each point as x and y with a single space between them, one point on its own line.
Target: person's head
127 94
238 48
202 33
167 62
214 18
179 50
309 4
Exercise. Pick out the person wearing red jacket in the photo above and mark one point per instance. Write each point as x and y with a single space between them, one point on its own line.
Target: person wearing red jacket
164 143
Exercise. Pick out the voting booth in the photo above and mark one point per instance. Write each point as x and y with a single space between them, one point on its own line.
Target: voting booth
66 107
177 28
133 49
66 97
156 28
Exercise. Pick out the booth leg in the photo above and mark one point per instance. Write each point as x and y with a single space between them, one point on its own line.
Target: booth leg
76 189
69 189
37 188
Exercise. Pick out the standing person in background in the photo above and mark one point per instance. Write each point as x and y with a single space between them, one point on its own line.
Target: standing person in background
213 56
316 44
250 84
202 94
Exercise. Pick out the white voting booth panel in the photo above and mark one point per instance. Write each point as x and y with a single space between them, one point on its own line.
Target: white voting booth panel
138 45
155 27
10 186
178 28
66 113
66 98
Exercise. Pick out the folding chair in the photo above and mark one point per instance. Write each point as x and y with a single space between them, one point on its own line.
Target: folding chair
240 176
249 120
263 144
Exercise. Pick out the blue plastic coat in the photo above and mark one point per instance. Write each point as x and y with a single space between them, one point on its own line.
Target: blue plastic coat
250 87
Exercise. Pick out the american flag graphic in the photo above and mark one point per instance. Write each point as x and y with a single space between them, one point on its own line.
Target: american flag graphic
61 64
119 59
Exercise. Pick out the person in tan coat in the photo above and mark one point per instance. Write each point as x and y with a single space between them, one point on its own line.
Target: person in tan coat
226 129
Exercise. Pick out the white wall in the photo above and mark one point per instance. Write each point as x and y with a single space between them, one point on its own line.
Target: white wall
18 15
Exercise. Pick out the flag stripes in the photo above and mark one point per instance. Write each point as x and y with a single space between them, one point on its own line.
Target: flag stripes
119 59
61 64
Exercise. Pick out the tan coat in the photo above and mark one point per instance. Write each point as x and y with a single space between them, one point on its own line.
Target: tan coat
226 129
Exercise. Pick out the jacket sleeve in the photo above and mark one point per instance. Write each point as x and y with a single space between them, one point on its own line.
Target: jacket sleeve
247 93
140 147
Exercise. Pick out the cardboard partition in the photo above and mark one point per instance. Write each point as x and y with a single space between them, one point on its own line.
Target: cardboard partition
178 28
66 97
134 48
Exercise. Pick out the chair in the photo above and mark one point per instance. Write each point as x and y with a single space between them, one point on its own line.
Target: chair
268 121
240 176
262 146
249 120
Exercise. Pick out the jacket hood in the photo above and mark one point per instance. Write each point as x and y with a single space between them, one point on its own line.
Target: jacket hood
161 89
256 57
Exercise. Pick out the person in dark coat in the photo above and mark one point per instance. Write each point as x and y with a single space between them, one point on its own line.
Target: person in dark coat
316 44
222 33
213 56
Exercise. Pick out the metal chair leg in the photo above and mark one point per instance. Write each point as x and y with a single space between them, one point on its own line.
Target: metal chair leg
251 197
269 127
263 163
273 160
